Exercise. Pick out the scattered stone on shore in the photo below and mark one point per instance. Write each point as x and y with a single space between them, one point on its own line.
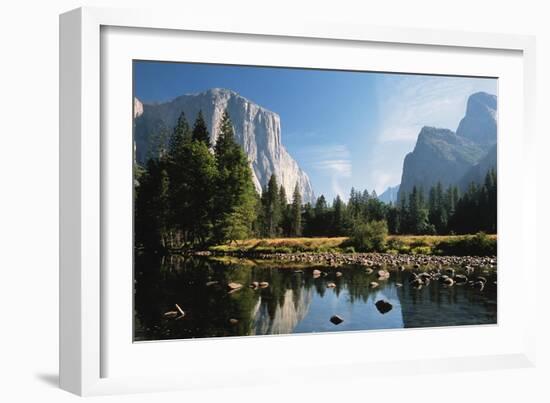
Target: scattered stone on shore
383 306
374 260
335 319
461 279
482 279
479 284
369 270
448 282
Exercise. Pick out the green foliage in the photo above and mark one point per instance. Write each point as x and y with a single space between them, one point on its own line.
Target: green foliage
234 199
370 237
188 196
200 132
477 245
296 213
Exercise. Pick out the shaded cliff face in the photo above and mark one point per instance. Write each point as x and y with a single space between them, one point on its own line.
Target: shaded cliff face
480 122
441 155
257 130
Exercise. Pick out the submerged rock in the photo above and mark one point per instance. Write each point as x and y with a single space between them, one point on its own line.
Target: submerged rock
383 306
335 319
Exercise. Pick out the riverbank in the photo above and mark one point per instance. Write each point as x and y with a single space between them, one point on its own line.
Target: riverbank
373 260
438 245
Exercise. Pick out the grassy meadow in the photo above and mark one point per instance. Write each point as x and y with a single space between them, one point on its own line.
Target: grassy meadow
478 244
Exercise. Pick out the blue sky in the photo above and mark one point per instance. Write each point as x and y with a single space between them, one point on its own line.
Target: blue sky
343 128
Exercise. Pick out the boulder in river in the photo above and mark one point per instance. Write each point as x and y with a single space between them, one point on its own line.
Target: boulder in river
373 284
335 319
264 284
232 287
331 285
383 306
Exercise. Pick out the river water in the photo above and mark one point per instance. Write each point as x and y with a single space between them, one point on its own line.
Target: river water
295 301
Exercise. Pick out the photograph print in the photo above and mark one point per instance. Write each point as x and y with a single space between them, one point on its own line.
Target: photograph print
277 201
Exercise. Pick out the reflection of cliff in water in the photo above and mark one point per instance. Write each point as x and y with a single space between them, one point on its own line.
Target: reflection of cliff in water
287 315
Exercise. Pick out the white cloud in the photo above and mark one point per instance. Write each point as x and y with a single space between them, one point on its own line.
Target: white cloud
330 161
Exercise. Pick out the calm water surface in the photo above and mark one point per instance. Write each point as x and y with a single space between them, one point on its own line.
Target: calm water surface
294 301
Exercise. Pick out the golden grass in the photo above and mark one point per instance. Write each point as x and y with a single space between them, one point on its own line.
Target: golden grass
323 244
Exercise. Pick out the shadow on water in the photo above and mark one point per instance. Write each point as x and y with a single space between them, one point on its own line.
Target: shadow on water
293 302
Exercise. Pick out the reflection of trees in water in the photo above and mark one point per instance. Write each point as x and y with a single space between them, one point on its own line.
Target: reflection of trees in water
163 282
437 305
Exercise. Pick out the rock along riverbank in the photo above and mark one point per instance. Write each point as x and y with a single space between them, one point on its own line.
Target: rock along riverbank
374 260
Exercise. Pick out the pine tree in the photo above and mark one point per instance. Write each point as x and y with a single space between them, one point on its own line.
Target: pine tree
285 223
235 198
338 208
296 212
200 178
200 131
271 202
180 136
177 162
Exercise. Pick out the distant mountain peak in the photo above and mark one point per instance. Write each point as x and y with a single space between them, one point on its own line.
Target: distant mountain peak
390 195
441 155
480 121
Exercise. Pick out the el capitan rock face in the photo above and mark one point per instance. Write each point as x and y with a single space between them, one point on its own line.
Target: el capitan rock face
441 155
257 130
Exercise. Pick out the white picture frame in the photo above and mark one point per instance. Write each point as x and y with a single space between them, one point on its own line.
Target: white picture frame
85 342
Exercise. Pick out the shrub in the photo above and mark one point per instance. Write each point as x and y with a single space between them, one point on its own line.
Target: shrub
477 245
370 237
395 243
421 250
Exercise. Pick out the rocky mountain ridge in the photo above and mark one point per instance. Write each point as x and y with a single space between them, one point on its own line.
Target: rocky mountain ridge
454 158
257 130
